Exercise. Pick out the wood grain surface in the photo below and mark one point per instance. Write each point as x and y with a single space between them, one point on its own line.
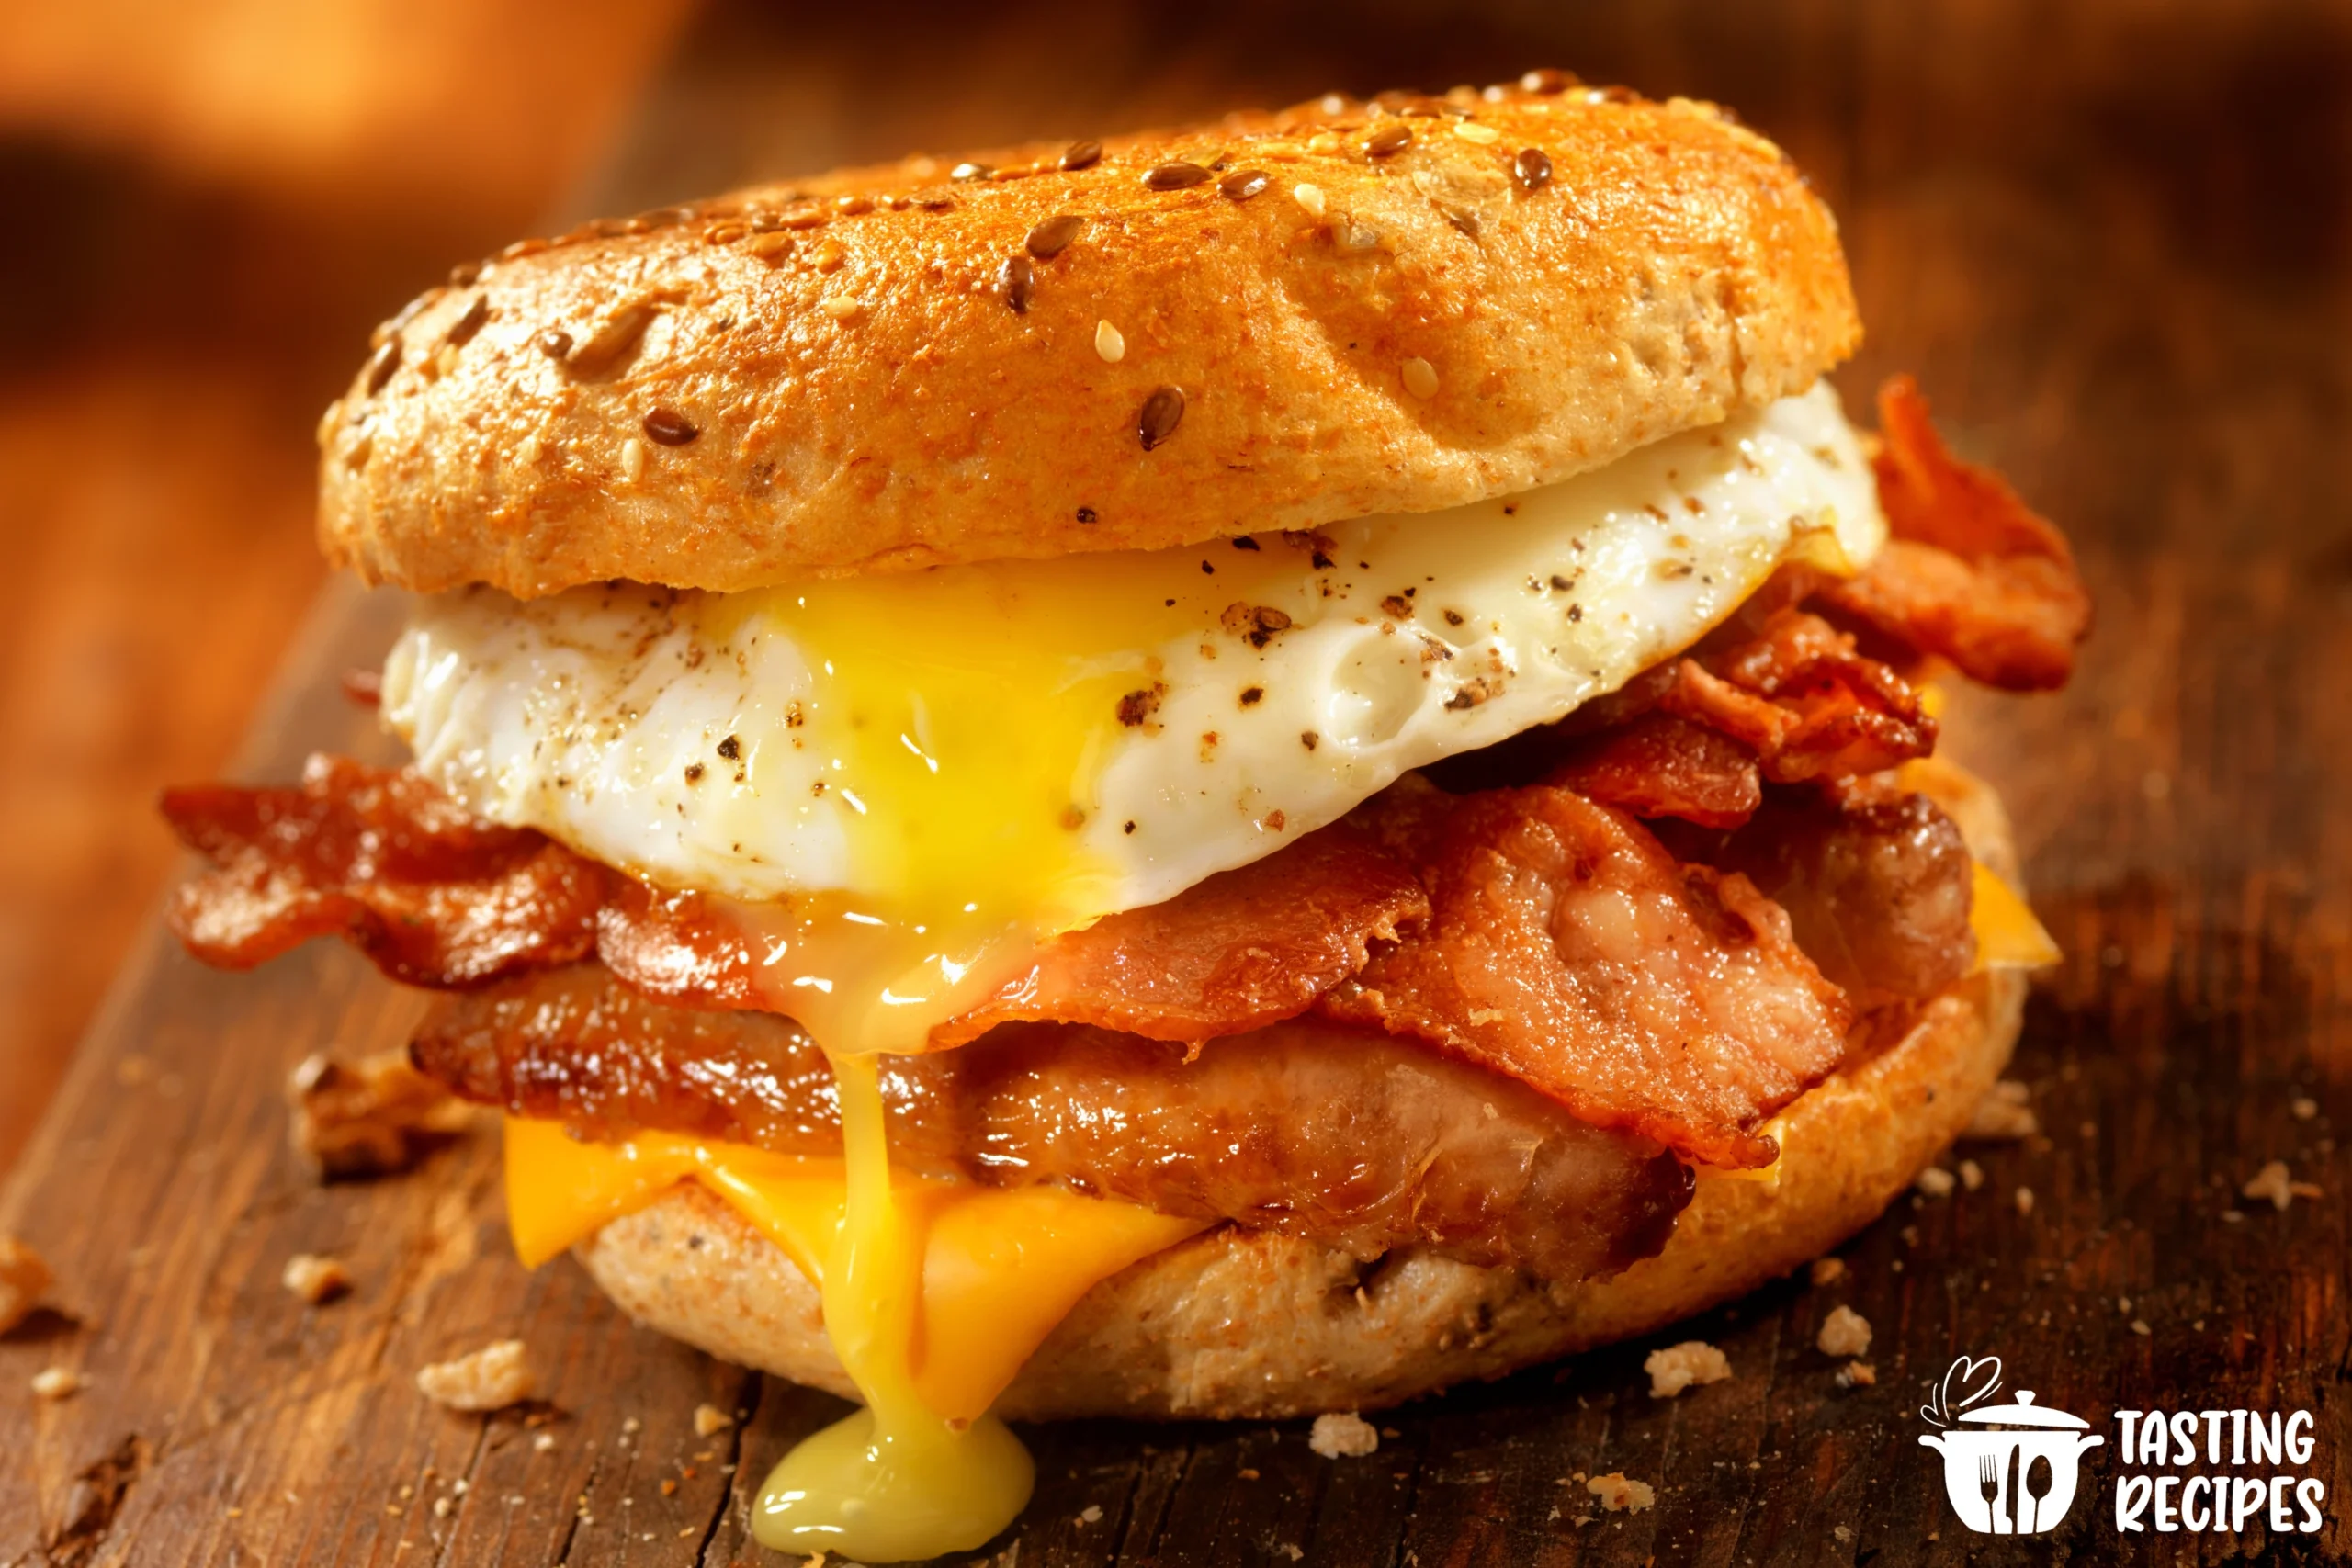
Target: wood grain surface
2115 242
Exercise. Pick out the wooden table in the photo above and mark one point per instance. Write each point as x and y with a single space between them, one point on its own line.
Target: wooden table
2115 244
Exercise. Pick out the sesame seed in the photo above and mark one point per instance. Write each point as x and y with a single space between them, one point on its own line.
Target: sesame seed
1175 176
829 255
554 342
670 427
633 459
771 246
1470 130
464 275
1161 414
965 173
1309 196
380 368
1109 342
1082 155
1531 169
1052 237
1016 282
840 307
1548 81
461 331
1354 236
1323 141
527 451
1242 184
1420 377
1390 138
854 206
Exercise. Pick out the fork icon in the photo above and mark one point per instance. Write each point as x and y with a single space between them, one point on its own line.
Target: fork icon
1988 1481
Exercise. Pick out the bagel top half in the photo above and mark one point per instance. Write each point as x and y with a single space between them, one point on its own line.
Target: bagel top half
1277 321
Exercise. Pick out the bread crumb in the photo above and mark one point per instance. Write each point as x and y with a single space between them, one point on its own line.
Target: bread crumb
2271 1181
1935 1181
1843 1534
1090 1515
2140 1327
491 1378
1829 1270
544 1443
1679 1367
1337 1436
1972 1175
56 1382
2025 1199
1858 1374
24 1277
1843 1332
368 1118
2003 1115
2303 1107
316 1280
1293 1552
1246 1474
1619 1494
710 1418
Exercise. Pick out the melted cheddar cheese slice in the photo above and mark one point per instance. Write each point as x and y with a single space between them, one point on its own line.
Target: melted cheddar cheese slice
1000 1267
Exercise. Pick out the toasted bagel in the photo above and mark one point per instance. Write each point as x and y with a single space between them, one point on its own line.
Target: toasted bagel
1349 310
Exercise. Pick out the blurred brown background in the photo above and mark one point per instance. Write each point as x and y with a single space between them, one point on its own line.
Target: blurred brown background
210 202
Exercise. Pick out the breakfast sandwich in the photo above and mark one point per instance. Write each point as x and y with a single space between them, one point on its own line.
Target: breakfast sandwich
1230 772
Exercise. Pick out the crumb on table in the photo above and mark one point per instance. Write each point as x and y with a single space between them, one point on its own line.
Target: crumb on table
1339 1436
1844 1333
1620 1494
1678 1367
491 1378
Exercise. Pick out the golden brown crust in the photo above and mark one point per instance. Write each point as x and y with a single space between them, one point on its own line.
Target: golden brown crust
865 398
1237 1325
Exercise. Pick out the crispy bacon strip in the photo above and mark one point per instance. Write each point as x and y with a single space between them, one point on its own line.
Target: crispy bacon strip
379 857
1659 765
1244 949
1567 948
1799 696
1972 573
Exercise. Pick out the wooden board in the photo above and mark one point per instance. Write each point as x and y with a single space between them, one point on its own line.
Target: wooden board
2117 250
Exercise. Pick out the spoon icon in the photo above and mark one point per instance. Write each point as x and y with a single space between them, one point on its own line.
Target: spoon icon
2037 1480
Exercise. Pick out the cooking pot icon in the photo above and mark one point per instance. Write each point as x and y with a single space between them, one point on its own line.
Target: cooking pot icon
2015 1482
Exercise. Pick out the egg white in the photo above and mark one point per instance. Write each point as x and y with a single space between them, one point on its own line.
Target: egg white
598 716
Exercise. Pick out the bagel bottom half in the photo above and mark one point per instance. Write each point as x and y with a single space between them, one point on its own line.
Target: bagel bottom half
1250 1324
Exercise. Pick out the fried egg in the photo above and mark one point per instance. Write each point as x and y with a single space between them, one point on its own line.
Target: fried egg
1061 740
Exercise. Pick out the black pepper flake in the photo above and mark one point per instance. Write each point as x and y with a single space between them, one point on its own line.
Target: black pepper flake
1175 176
461 331
1243 183
555 343
1137 706
1256 624
1130 826
1016 281
1086 515
1052 237
1389 139
1161 414
387 359
731 748
1397 606
1531 169
694 772
1252 695
1208 571
1561 583
1576 611
1245 543
1453 617
670 427
965 173
1310 739
1082 155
